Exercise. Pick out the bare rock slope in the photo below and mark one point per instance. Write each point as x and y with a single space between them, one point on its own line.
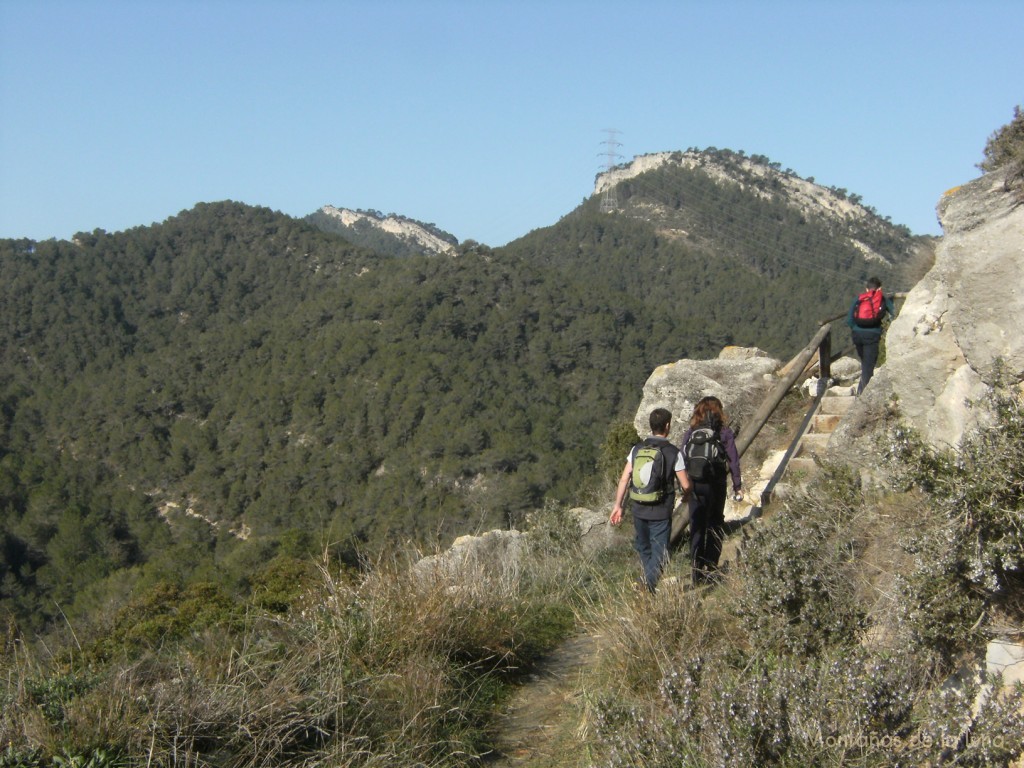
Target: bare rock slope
966 314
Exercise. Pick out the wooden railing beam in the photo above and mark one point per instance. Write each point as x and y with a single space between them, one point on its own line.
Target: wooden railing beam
764 412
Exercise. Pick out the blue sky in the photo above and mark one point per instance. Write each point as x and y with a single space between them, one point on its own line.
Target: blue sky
485 118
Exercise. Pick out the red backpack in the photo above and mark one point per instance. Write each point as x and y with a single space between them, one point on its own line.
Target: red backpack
868 312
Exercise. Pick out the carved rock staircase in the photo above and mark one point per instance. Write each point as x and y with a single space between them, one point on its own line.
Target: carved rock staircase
790 468
830 410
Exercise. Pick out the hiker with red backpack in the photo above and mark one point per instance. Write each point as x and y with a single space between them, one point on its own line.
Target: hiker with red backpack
865 321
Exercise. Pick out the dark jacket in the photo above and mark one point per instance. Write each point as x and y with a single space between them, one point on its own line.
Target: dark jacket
663 509
868 334
725 434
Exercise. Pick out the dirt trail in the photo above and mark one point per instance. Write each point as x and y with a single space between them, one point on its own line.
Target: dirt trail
540 722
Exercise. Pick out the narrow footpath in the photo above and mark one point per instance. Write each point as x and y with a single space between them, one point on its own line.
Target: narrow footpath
539 725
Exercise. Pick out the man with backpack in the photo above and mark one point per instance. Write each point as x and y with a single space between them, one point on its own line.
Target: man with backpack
649 479
865 321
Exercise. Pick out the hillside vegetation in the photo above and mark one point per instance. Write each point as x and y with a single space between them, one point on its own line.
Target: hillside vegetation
730 256
259 382
214 430
185 401
845 635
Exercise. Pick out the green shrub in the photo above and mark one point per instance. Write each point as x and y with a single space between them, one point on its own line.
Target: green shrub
282 582
1005 149
97 758
801 590
938 606
621 437
167 613
979 490
846 707
52 695
14 757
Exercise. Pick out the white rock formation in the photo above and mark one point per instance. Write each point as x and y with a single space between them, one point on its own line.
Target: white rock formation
739 377
401 228
966 313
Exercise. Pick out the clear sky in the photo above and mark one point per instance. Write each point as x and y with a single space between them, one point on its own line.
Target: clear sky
485 118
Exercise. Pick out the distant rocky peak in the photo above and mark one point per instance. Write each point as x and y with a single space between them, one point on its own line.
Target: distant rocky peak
419 237
757 175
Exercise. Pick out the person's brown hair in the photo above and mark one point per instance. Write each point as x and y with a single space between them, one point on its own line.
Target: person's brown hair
708 412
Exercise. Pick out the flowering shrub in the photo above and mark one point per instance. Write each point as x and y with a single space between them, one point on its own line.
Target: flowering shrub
980 489
801 591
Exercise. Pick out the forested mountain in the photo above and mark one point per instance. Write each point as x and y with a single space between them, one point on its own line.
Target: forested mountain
185 400
732 249
190 395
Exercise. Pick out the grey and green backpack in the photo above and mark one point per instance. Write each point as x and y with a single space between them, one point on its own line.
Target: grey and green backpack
648 483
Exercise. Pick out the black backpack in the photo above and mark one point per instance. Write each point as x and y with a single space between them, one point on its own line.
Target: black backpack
648 483
705 455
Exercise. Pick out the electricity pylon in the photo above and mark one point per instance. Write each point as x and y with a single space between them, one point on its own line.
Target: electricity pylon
610 200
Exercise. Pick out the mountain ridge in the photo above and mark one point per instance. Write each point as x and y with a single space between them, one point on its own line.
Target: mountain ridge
759 176
244 370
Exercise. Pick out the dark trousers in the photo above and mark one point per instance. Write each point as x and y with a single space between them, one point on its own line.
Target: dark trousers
867 351
651 543
707 529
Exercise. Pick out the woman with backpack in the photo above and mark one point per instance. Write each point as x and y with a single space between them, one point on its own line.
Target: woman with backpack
709 453
865 321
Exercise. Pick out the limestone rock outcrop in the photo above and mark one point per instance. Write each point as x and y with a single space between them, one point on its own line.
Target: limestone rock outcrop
739 377
494 549
963 316
419 238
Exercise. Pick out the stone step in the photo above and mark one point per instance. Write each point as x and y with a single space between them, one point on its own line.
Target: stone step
825 423
801 468
783 491
813 443
836 404
842 390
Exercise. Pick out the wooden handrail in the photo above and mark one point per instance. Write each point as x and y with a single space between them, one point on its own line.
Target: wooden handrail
822 344
821 339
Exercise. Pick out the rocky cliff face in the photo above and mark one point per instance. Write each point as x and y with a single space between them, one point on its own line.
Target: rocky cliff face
943 348
416 237
965 315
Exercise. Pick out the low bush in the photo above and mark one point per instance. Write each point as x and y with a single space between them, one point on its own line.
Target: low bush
847 634
804 593
1005 150
976 552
